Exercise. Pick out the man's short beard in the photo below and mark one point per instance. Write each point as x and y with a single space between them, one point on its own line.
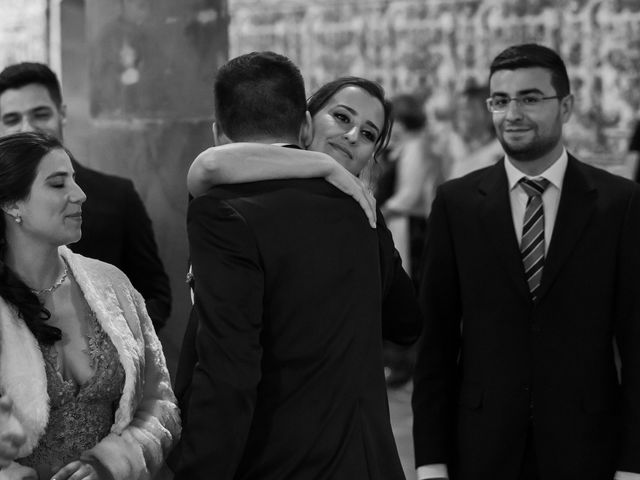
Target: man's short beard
529 152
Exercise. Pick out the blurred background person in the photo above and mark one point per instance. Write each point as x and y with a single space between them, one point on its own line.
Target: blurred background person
116 227
410 173
473 144
80 358
406 186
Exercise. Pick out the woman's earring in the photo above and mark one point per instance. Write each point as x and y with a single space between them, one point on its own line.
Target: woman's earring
18 219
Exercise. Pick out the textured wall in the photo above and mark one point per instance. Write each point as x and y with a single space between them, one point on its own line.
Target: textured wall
436 46
23 31
151 67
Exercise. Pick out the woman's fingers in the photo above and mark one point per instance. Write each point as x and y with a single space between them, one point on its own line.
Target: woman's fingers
77 470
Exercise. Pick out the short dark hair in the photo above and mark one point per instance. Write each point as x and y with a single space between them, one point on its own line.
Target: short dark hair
530 55
21 74
257 94
320 98
409 111
20 156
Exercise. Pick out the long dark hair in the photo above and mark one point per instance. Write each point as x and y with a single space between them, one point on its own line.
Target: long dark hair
320 98
20 156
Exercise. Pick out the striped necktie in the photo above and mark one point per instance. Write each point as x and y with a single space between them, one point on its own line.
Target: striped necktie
532 243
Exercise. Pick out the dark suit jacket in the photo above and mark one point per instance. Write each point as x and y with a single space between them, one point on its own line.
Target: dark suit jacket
289 382
116 229
477 387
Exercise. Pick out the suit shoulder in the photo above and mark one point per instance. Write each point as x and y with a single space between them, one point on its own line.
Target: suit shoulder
603 178
469 180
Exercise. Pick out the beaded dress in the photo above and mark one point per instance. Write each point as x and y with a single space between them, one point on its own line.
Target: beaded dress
80 415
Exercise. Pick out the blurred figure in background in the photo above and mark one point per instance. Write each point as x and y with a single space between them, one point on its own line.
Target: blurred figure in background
405 187
404 191
474 144
116 227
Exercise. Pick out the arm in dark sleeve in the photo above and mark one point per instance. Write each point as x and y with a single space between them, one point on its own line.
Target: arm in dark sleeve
228 303
627 332
401 317
141 261
435 378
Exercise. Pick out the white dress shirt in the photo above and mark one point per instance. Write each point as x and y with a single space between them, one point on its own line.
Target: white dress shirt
518 197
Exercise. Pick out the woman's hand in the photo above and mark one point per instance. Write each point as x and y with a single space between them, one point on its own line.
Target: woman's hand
18 472
340 178
81 470
12 434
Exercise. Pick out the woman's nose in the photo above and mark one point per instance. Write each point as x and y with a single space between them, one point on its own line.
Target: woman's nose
77 194
352 134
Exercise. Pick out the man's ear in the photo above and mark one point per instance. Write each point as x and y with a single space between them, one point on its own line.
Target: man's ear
219 137
306 130
566 107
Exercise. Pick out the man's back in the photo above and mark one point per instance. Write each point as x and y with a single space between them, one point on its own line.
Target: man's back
290 381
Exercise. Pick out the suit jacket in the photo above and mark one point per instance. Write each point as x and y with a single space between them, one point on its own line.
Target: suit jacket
289 382
492 361
116 229
146 421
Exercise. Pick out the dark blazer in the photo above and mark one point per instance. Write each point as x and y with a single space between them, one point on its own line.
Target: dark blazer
492 360
116 229
289 382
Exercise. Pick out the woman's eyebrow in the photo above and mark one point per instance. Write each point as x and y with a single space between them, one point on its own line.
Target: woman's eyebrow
353 112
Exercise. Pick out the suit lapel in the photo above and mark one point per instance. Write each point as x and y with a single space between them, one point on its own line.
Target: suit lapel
497 220
577 202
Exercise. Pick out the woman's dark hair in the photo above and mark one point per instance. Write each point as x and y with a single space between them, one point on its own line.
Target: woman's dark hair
320 98
20 156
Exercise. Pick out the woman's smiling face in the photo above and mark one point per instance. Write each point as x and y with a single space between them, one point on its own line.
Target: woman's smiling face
348 126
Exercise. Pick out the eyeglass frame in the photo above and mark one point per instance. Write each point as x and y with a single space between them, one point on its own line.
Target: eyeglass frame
518 99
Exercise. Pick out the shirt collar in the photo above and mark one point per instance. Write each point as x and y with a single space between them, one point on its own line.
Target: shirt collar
555 172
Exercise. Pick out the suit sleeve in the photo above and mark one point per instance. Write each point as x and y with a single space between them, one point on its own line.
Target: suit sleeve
628 335
401 317
141 261
434 393
228 303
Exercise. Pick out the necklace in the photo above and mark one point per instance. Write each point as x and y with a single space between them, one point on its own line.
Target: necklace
53 287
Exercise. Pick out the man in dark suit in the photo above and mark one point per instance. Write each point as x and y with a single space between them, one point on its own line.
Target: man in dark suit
531 273
115 225
289 382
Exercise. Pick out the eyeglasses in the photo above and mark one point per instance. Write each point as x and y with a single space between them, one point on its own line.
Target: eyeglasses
529 102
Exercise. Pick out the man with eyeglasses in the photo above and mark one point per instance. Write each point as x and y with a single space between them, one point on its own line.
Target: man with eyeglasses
531 278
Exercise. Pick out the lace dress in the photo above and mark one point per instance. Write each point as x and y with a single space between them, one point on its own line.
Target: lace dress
80 415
